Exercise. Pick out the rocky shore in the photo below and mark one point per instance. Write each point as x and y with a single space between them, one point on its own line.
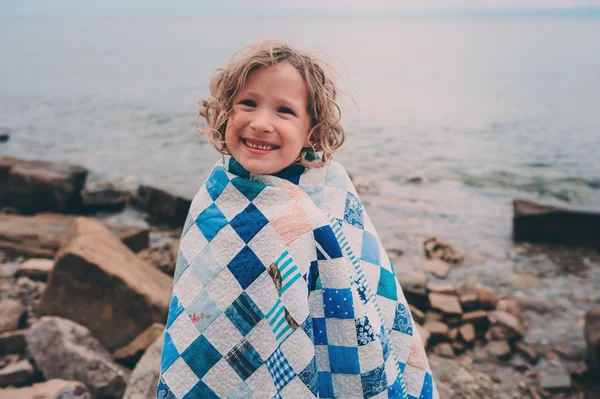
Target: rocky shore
85 281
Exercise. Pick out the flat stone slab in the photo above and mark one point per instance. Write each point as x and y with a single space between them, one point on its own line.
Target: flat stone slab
535 222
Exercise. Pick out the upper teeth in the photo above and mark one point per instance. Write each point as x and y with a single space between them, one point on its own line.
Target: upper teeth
258 146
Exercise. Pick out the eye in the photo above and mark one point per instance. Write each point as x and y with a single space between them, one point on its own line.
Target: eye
248 103
286 110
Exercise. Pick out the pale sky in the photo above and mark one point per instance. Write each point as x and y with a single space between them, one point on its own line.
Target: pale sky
265 7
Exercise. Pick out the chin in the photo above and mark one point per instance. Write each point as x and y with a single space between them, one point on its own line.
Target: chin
258 167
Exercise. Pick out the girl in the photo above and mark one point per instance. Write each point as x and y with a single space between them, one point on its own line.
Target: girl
282 287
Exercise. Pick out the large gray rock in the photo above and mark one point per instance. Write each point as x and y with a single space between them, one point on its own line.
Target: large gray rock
592 339
43 234
99 283
163 206
64 349
12 342
144 379
34 236
16 373
12 314
52 389
38 186
546 223
456 382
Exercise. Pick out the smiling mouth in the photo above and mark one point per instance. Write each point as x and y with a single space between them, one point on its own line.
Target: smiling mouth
259 146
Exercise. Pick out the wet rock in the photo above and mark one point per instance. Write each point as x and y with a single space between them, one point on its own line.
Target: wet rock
510 305
144 379
12 342
130 354
414 288
67 350
101 195
458 347
536 222
592 340
468 301
35 236
416 179
4 136
438 249
453 334
447 304
417 314
437 267
527 352
467 332
163 206
10 359
479 319
163 256
452 321
52 389
6 164
499 349
556 380
38 186
16 373
29 293
441 288
517 363
12 315
94 276
437 329
444 349
457 382
486 298
504 325
136 238
36 269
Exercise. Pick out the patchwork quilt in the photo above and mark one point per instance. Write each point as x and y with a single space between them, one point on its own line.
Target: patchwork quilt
283 289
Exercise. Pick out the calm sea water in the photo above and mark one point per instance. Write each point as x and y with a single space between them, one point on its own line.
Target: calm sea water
486 109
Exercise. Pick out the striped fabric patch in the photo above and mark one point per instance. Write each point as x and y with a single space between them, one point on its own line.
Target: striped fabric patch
278 322
288 270
345 246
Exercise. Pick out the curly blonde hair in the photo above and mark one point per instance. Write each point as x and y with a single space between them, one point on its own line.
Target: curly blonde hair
326 133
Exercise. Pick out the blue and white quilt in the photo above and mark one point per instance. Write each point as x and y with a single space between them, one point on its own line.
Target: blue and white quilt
283 290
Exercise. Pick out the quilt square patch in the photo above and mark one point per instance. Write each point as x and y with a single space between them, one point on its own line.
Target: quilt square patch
327 242
280 369
338 303
248 223
374 382
216 182
387 285
246 267
244 359
210 222
244 314
201 364
370 249
353 212
203 311
291 224
344 359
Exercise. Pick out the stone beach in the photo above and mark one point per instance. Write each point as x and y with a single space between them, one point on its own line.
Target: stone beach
530 332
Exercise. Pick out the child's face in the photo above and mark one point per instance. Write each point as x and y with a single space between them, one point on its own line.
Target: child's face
269 123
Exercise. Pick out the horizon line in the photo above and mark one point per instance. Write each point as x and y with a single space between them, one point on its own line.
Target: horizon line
563 12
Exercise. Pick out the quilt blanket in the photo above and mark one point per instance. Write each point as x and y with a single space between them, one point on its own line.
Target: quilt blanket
282 289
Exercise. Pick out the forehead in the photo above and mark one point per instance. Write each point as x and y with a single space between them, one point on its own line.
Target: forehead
280 80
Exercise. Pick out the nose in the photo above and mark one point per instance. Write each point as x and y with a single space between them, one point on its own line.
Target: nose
262 122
